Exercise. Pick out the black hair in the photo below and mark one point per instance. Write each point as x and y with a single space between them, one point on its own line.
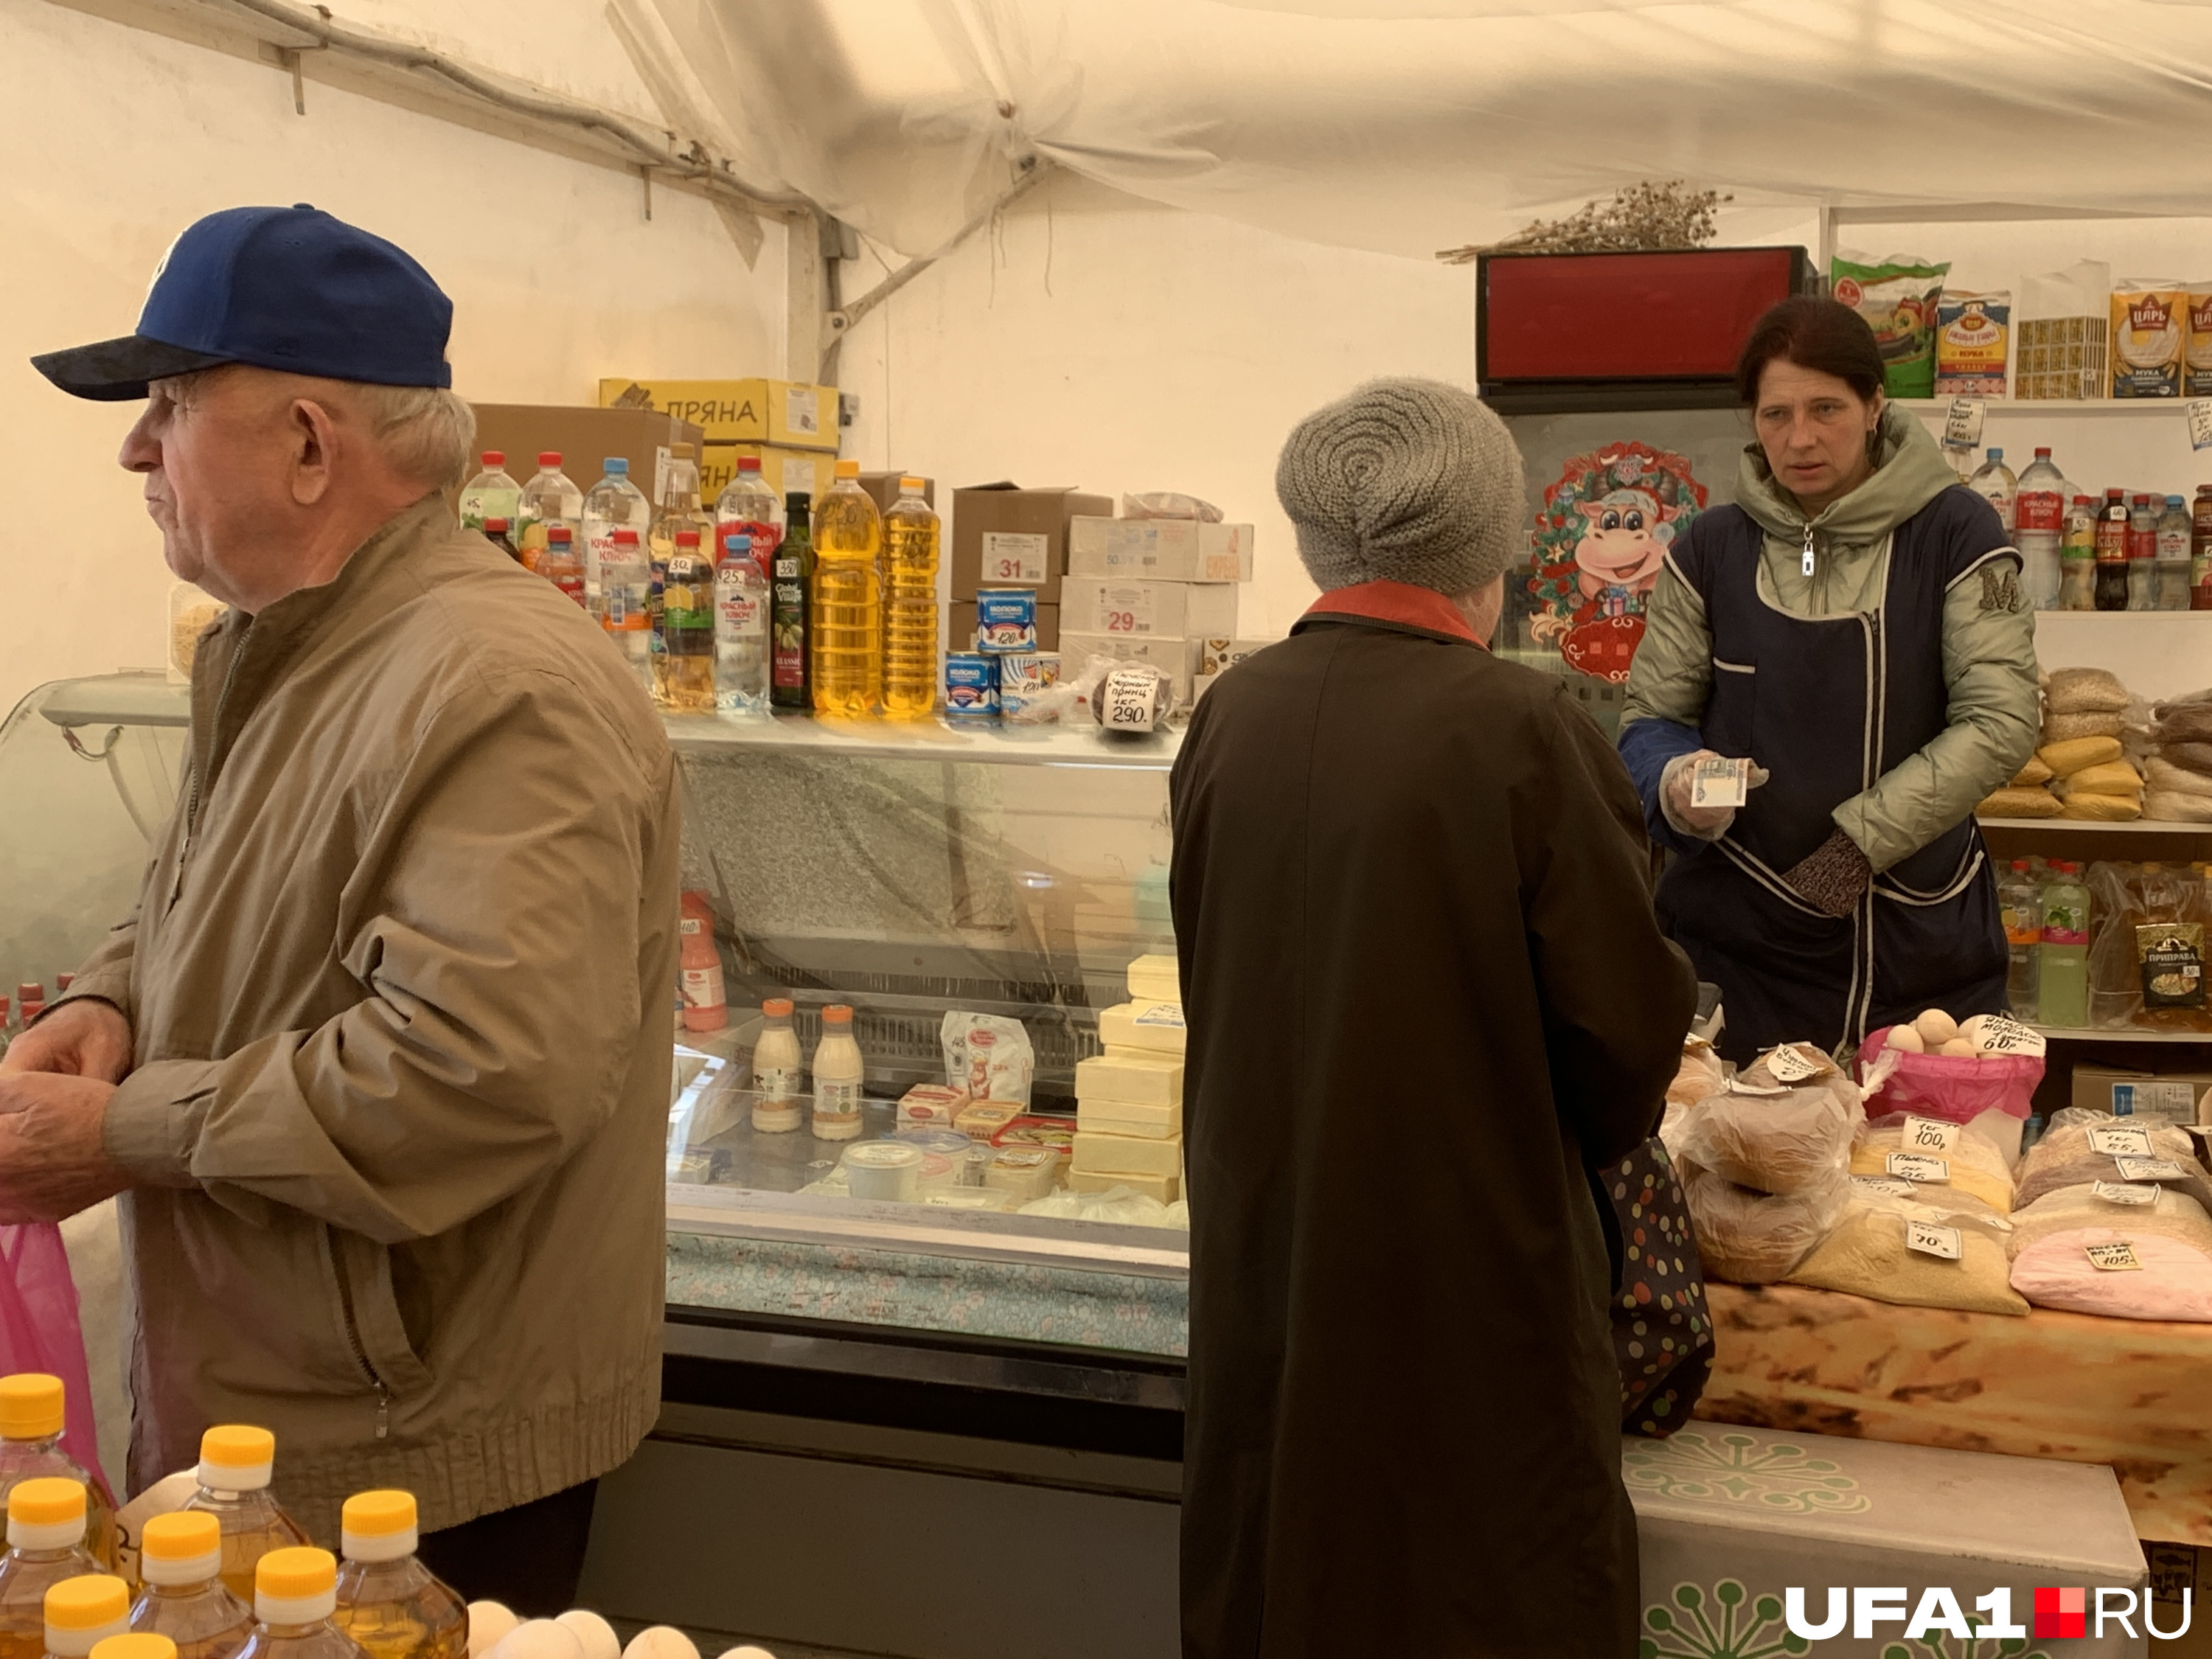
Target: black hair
1812 332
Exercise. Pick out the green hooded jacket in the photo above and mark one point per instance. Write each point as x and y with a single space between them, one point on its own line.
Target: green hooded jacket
1988 653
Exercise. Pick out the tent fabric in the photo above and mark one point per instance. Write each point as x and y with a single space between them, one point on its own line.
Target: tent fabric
1406 126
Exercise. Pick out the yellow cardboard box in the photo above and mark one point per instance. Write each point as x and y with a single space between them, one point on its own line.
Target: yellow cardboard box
788 413
782 469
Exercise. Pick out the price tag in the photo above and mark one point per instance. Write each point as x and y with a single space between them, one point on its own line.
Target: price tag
798 476
1917 1166
2120 1143
1016 557
1128 609
1962 423
2199 410
2149 1168
1930 1240
1717 780
2116 1192
1930 1135
1168 1015
2001 1033
1130 699
1794 1063
802 410
1736 1085
2117 1257
1883 1185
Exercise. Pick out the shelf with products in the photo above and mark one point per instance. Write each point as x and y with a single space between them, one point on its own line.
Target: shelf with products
2126 1033
2095 827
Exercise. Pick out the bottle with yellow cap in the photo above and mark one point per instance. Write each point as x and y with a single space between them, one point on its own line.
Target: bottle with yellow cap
32 1417
236 1464
134 1646
389 1602
845 629
180 1562
84 1611
46 1545
296 1591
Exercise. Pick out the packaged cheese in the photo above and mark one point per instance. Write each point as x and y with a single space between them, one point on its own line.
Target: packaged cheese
1131 1075
1163 1188
2150 318
1155 979
981 1119
931 1104
1121 1117
1027 1172
1109 1154
1155 1028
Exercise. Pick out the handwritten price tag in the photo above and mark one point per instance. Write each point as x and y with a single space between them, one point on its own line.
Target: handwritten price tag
2199 411
1930 1134
1883 1185
2149 1168
2116 1192
2117 1257
1916 1166
1962 423
1931 1240
2120 1143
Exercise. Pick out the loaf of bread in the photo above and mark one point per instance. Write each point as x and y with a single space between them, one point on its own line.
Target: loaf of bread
2101 809
2172 807
1752 1237
2084 692
2073 754
1771 1136
2019 804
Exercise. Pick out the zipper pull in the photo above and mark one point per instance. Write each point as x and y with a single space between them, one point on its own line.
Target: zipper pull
383 1411
1808 550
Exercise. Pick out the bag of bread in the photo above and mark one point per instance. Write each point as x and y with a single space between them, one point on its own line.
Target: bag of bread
2081 1146
1898 1244
1946 1157
2118 1271
1784 1125
1750 1237
2084 692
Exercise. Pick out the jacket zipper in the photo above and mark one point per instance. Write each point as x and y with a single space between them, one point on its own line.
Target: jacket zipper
353 1338
1809 551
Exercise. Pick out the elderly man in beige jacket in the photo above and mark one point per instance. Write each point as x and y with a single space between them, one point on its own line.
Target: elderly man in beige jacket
380 1064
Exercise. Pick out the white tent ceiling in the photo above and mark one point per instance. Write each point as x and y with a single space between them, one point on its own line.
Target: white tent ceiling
1409 126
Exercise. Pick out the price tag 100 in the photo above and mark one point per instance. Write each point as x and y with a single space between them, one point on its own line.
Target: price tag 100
1918 1166
2120 1143
1930 1135
2117 1257
1931 1240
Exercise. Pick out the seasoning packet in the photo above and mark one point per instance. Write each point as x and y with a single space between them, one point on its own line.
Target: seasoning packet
2149 321
1898 297
1971 332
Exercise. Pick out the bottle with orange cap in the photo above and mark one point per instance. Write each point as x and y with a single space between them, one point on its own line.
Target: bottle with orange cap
134 1646
32 1417
296 1591
84 1611
389 1602
46 1545
236 1464
180 1562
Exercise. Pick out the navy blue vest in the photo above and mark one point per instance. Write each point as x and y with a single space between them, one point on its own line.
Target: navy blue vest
1828 705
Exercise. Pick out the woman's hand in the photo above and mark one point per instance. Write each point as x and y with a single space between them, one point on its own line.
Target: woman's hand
1676 791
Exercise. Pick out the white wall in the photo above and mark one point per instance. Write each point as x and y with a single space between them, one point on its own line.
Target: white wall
111 140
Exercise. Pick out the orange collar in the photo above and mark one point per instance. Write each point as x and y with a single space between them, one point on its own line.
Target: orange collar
1400 603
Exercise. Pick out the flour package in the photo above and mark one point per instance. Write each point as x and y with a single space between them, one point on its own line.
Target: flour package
1898 296
1973 333
987 1057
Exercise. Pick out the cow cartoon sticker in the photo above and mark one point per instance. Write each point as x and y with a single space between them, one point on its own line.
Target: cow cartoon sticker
1603 535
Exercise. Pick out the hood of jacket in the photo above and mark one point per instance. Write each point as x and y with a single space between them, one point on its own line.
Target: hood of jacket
1910 471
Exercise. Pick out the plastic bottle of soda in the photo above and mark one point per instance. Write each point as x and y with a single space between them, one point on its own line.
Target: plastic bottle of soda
2112 552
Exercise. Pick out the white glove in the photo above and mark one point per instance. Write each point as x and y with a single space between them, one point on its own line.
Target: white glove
1705 822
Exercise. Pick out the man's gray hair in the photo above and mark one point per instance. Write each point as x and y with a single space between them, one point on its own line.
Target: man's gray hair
426 431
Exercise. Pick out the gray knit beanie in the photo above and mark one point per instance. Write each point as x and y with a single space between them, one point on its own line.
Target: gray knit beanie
1405 481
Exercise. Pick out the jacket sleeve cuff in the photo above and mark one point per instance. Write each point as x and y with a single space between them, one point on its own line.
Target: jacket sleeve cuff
109 985
153 1119
1855 818
1647 746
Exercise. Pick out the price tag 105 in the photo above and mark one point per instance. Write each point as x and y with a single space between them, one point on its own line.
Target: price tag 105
2120 1143
1931 1240
1918 1166
2117 1257
1930 1135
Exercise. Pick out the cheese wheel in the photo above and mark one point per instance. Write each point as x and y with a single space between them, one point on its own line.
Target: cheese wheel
2070 756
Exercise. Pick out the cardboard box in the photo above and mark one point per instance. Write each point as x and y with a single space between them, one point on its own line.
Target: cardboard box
586 437
1167 549
2171 1096
960 630
882 489
783 471
790 413
1216 656
1176 658
1176 611
1007 537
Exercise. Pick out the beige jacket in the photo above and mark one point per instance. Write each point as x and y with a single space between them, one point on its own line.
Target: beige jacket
400 981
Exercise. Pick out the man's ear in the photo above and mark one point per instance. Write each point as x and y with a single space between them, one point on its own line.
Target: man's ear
314 438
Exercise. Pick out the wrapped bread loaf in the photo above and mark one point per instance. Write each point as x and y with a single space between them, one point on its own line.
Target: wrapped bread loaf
2019 804
1776 1132
2071 755
1870 1252
1750 1237
2081 1146
2084 692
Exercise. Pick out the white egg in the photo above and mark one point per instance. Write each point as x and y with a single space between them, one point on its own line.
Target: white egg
1936 1028
538 1638
1905 1038
749 1652
660 1642
487 1622
1957 1049
593 1634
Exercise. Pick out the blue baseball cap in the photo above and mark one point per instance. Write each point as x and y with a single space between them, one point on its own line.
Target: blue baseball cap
289 289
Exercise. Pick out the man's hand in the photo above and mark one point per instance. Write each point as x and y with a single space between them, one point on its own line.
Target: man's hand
53 1161
86 1038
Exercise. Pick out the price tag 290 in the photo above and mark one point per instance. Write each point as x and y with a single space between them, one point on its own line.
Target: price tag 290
2117 1257
1930 1135
1931 1240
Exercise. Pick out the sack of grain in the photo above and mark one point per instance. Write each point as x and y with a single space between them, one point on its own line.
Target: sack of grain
2142 1206
2081 1146
2118 1271
2101 809
2106 778
2172 807
2084 692
2182 722
2019 804
2067 728
1973 1167
2160 773
2070 754
1917 1250
2033 775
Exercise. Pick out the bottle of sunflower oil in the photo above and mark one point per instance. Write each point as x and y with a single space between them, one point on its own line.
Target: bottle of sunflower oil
83 1612
236 1464
847 625
389 1602
46 1545
295 1594
181 1561
911 532
31 1422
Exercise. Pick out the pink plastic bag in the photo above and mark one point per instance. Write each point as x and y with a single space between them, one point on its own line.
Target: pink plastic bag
40 1331
1948 1086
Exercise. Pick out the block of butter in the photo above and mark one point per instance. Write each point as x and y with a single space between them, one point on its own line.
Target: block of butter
1105 1154
1164 1188
1123 1117
1155 979
1154 1027
1130 1075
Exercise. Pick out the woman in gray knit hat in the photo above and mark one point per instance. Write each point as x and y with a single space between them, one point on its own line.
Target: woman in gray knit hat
1425 993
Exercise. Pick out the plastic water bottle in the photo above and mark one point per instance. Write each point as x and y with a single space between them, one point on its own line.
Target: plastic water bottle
2039 528
2172 561
846 621
748 508
550 497
491 494
2062 991
911 537
1995 483
2021 901
615 503
741 606
626 601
